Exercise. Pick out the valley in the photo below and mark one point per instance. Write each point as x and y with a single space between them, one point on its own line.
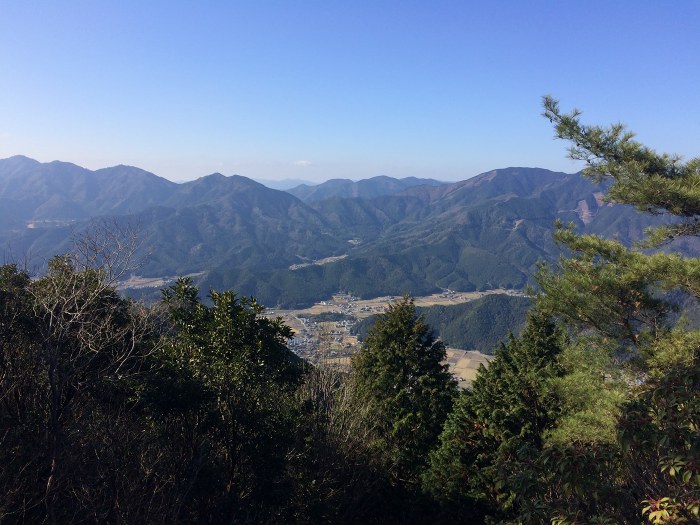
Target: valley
340 263
293 249
327 261
323 332
376 239
464 250
136 282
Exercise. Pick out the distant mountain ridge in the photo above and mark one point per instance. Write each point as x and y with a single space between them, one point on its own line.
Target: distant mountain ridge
284 184
61 190
189 227
367 188
400 236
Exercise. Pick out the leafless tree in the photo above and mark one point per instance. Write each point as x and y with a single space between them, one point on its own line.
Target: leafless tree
341 430
87 335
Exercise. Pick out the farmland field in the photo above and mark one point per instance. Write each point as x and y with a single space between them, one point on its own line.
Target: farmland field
330 342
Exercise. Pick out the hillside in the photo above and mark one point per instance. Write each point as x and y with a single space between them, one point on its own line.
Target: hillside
367 188
476 325
482 233
64 191
486 232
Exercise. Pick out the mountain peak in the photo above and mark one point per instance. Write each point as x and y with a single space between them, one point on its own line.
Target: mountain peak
21 158
379 186
17 163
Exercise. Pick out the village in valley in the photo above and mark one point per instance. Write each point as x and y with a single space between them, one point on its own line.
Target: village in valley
323 333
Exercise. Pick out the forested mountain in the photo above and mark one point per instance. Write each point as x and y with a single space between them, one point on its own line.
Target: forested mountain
482 233
63 191
367 188
185 228
480 324
113 411
235 223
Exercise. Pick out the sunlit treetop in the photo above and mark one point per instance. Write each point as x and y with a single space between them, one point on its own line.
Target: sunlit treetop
661 184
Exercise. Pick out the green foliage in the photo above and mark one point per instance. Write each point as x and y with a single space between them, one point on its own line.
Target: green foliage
660 434
614 290
480 324
619 442
240 357
113 413
619 300
191 412
591 391
331 317
652 182
399 374
484 461
230 342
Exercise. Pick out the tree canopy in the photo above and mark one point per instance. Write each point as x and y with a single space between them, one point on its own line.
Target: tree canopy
193 411
400 374
617 401
619 302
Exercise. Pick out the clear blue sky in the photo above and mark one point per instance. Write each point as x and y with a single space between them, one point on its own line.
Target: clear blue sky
324 89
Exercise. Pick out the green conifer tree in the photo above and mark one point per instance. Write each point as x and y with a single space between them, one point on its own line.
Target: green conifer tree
618 299
497 427
241 358
400 374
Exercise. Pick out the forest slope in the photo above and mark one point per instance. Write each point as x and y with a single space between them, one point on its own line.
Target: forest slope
486 232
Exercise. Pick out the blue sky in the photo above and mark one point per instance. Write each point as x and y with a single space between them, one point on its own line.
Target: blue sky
326 89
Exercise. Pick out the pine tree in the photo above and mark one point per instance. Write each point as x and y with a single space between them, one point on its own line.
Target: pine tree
652 182
619 299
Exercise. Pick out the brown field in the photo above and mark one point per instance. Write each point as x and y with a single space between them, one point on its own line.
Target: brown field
464 364
135 281
361 308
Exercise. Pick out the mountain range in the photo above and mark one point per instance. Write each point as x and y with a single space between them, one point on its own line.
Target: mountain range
367 188
291 248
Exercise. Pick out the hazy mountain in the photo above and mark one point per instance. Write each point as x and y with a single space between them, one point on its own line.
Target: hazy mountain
284 184
236 222
61 190
185 228
368 188
463 236
486 232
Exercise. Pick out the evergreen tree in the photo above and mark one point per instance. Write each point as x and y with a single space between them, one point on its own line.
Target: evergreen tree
618 300
240 357
619 439
652 182
483 463
399 373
